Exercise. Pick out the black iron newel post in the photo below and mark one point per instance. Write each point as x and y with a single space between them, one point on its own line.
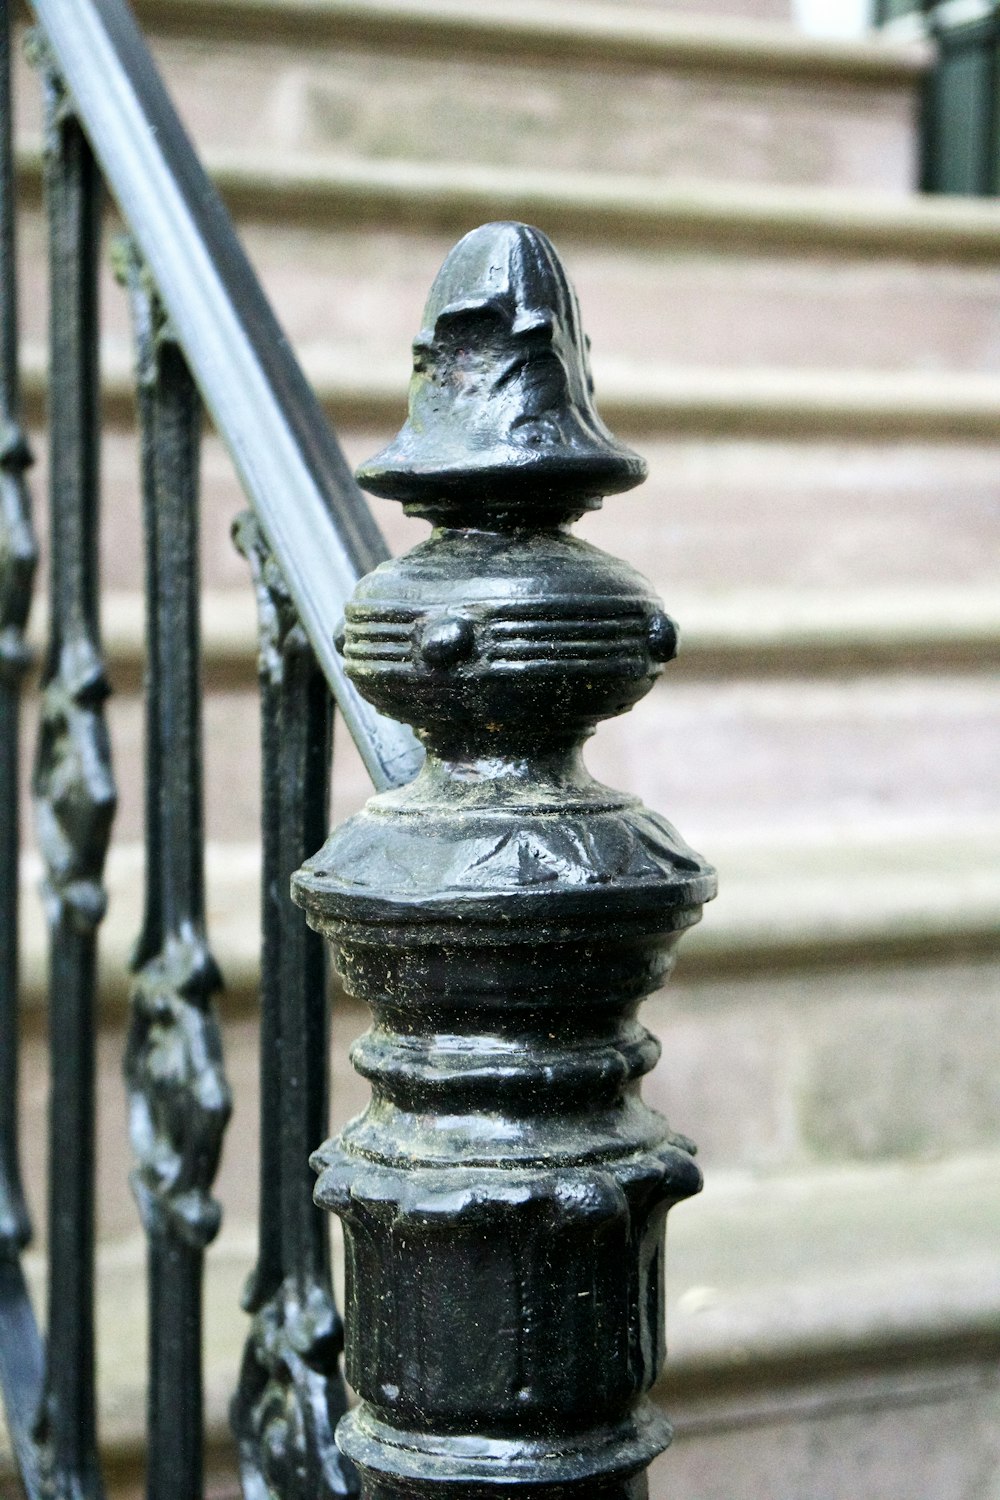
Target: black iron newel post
504 1194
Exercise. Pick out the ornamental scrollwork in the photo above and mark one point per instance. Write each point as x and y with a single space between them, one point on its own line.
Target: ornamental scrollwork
179 1100
291 1398
18 552
279 631
74 788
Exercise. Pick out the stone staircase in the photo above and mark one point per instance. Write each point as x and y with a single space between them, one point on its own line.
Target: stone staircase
809 356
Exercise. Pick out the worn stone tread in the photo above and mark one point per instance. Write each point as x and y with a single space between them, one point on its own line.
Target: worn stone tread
579 86
594 31
345 253
727 758
786 517
769 1072
791 218
647 400
814 219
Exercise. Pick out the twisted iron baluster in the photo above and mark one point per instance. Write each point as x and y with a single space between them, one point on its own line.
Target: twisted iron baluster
504 1195
21 1355
291 1394
179 1100
75 797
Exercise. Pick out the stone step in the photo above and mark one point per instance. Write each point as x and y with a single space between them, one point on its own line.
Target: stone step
646 401
749 632
718 754
754 1067
742 494
740 746
821 1326
514 84
913 887
857 1338
761 10
682 275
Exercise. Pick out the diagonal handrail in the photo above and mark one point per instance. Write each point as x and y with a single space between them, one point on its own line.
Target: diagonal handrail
312 513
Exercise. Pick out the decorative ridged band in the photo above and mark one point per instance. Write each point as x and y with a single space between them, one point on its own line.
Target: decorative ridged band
590 635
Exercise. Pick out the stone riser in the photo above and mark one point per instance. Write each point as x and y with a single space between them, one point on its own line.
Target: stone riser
702 124
777 119
759 634
888 1344
358 292
899 1434
714 518
721 759
851 1413
754 1069
657 304
715 515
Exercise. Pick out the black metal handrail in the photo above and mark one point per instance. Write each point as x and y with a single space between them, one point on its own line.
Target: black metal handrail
311 511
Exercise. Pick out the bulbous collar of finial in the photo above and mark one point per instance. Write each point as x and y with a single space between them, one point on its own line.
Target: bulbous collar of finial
502 425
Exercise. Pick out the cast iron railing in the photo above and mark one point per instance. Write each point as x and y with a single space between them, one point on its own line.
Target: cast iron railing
503 1195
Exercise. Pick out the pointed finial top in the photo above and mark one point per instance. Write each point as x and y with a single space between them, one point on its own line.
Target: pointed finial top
502 422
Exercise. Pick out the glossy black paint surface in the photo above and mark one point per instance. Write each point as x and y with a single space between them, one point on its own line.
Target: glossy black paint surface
199 313
504 1194
18 557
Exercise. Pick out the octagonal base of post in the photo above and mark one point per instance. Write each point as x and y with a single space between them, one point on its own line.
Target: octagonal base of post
607 1464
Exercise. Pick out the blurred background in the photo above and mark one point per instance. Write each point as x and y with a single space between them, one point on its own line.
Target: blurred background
806 347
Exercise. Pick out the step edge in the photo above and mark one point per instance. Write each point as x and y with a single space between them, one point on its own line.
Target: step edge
413 195
588 32
784 913
676 401
776 630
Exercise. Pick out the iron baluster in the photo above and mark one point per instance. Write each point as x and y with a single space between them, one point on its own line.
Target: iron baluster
18 556
179 1101
21 1353
291 1393
504 1194
74 796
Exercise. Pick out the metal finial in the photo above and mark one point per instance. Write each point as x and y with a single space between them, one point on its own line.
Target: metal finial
501 400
